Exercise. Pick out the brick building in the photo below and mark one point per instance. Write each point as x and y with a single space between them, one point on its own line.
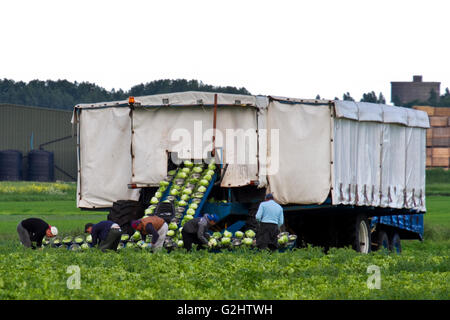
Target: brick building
417 90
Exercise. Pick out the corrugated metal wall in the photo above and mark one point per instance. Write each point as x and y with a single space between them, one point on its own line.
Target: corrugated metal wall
18 124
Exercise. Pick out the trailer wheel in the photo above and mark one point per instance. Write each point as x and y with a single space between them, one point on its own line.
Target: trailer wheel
357 233
362 237
395 244
383 241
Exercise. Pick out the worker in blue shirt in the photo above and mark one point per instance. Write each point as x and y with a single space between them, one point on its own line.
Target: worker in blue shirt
105 233
270 218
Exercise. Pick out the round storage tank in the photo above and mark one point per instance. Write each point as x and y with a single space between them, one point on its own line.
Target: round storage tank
10 165
41 166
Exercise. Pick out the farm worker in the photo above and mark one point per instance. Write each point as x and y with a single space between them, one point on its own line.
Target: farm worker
35 229
105 233
270 216
196 231
152 225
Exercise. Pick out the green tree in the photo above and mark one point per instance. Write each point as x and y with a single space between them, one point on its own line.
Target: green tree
63 94
433 99
347 97
444 100
396 100
369 97
372 97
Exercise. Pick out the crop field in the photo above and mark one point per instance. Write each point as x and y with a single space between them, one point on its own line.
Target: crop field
422 271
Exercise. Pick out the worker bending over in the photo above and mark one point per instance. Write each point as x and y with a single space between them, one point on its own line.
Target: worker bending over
34 230
154 226
105 233
196 231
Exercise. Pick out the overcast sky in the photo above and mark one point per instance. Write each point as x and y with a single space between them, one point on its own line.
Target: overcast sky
287 48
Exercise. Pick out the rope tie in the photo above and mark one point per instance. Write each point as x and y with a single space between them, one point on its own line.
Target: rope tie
373 194
405 200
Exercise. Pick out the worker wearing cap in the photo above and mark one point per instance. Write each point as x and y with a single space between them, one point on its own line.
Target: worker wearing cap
154 226
270 218
34 230
105 233
196 231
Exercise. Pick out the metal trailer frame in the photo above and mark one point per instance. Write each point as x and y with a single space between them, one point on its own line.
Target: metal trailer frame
408 223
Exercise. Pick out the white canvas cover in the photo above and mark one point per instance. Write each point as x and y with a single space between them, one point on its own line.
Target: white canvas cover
379 155
378 165
159 131
363 111
188 98
356 162
370 154
400 115
152 139
240 145
303 152
262 103
393 160
105 157
415 168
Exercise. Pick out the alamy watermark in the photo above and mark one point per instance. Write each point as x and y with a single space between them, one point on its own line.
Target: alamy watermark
374 280
240 145
74 281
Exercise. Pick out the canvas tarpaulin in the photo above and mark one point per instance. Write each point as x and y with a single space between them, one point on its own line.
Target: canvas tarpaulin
262 103
188 98
162 130
302 174
379 156
188 131
105 157
363 111
415 168
403 167
393 159
356 162
240 145
372 155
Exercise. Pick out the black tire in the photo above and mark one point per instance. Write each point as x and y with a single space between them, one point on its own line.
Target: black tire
145 195
395 244
358 233
383 242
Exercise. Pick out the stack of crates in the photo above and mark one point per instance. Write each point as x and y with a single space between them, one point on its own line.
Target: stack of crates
438 136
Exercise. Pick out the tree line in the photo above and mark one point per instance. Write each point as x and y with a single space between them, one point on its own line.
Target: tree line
63 94
367 97
434 99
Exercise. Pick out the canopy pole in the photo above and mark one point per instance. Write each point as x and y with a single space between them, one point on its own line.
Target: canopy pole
213 153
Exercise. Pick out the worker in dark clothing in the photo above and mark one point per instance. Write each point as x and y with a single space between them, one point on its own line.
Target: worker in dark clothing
105 233
154 226
34 230
270 218
196 231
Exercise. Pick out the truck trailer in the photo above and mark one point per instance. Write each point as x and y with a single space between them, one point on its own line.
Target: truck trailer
346 173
